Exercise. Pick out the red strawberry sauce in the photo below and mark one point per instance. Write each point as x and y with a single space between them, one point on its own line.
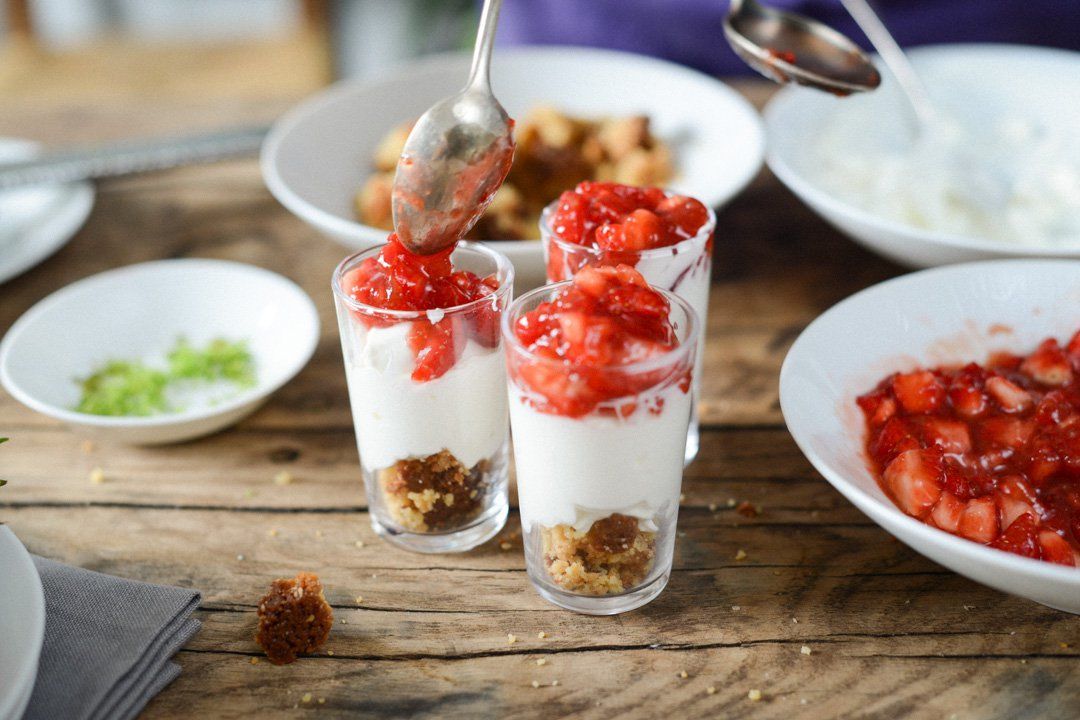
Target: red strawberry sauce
397 279
622 220
607 318
988 452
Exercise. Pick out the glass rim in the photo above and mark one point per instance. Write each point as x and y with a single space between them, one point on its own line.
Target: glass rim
669 357
547 234
502 266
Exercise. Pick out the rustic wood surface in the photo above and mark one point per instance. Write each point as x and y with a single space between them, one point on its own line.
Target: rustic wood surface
890 633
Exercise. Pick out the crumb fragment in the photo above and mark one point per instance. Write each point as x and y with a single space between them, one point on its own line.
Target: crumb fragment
272 532
736 608
969 607
554 683
306 698
711 690
254 661
1064 645
682 497
240 557
97 476
747 510
754 695
359 543
535 683
712 507
541 661
541 635
511 638
505 545
294 618
683 675
805 650
741 555
795 620
732 502
359 599
322 701
330 653
283 478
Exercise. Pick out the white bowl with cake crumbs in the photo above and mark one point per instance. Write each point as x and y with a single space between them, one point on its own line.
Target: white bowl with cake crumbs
996 175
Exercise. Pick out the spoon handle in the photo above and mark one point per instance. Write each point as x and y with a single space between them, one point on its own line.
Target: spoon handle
894 58
480 74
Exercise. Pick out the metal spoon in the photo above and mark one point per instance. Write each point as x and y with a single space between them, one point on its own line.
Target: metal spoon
787 47
455 158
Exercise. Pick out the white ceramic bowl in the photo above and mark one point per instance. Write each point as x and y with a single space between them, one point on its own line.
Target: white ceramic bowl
318 154
22 625
974 83
946 315
139 311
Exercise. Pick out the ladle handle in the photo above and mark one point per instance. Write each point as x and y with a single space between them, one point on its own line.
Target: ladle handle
480 74
894 58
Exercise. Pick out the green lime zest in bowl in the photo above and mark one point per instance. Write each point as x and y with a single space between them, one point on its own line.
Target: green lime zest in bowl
132 388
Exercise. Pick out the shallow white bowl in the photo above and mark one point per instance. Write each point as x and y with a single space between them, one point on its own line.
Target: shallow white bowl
318 154
22 625
139 311
945 315
971 82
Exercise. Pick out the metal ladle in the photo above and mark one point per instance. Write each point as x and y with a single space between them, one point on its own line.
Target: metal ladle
455 158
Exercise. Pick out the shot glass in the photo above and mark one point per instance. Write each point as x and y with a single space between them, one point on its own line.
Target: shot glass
433 453
684 269
599 492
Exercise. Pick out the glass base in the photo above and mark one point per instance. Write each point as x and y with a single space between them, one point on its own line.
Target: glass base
460 540
693 440
605 604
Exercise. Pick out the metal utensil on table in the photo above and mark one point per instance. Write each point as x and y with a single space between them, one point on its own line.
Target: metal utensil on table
456 156
787 47
125 158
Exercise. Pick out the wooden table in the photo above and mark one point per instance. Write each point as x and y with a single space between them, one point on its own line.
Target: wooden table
889 633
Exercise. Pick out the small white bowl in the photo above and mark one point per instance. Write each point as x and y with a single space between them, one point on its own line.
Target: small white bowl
22 625
138 312
973 83
946 315
318 154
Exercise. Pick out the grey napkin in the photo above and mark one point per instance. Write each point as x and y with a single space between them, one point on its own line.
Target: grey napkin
108 643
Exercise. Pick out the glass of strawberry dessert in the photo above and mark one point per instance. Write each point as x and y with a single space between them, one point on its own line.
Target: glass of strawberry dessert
667 237
600 372
427 384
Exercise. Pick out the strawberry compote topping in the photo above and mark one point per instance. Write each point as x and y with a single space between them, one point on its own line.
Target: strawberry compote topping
616 217
397 279
608 318
990 453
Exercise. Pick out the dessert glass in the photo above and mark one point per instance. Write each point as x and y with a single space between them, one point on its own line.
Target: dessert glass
684 268
433 454
599 493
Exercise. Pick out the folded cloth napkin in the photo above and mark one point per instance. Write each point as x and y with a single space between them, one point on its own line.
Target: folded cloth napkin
108 643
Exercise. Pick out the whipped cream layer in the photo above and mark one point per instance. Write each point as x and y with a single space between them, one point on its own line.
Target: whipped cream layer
575 471
463 411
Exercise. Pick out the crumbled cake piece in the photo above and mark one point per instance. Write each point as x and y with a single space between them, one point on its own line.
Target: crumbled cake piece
612 557
434 493
294 618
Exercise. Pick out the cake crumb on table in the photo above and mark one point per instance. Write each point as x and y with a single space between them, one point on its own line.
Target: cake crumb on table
97 476
711 690
805 650
283 478
754 695
535 683
683 675
541 661
294 618
541 635
306 698
505 545
740 555
511 638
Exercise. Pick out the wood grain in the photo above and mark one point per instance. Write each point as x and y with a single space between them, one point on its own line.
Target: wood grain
890 633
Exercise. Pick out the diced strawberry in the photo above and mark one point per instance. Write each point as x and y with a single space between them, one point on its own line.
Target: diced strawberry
919 392
1020 537
913 479
979 520
946 512
878 407
1014 498
592 281
1048 364
1073 348
896 436
1006 432
433 346
966 392
1009 396
950 435
1055 549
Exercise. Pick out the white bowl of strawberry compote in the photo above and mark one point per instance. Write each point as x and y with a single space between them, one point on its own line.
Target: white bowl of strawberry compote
945 405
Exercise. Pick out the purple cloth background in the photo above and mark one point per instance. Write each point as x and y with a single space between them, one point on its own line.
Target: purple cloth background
691 31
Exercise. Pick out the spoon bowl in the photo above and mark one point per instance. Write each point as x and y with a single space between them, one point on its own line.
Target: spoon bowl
455 158
786 47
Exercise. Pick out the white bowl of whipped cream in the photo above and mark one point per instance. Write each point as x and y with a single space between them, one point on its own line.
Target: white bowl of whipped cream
996 175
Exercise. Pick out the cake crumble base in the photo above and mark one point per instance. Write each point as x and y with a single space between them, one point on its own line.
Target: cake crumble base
612 557
434 493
